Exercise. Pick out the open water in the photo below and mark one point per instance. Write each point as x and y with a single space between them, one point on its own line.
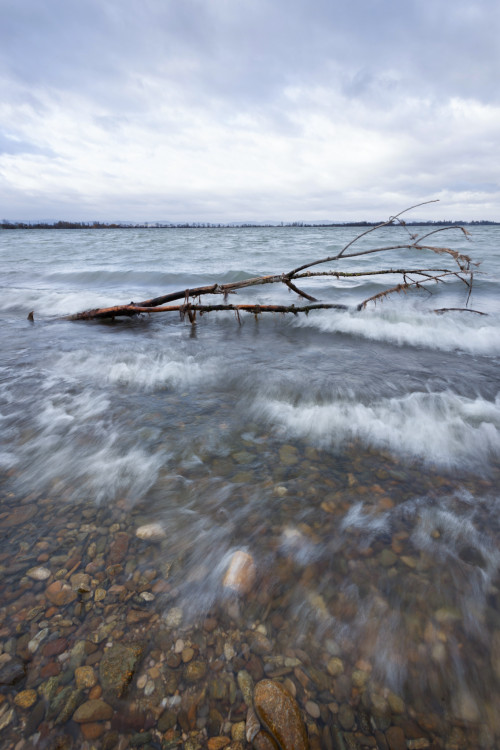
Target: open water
354 456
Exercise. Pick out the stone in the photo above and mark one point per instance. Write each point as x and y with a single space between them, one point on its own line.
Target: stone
92 730
38 573
80 582
313 709
55 647
238 732
264 741
396 704
217 743
151 532
280 714
335 666
94 710
246 685
195 671
117 667
288 455
395 738
11 672
60 593
167 720
241 573
119 548
174 617
346 716
85 677
26 698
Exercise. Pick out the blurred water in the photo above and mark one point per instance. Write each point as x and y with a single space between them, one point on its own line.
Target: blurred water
321 440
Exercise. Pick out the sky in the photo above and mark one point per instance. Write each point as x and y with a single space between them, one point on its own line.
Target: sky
263 110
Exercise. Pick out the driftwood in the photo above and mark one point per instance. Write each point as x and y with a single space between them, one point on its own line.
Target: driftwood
411 278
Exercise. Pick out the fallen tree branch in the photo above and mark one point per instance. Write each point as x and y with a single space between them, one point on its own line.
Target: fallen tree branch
412 278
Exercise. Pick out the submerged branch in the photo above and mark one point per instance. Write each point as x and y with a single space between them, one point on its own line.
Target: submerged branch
417 278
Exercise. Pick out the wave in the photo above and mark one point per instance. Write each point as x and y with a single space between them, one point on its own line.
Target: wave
441 429
454 331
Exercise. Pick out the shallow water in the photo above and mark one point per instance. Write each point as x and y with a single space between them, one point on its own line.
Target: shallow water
353 455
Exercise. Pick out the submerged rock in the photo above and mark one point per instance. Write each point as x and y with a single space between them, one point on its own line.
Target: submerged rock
151 532
240 574
117 667
60 593
279 712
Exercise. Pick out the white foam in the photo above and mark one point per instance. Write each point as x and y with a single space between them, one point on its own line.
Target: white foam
443 429
468 332
147 370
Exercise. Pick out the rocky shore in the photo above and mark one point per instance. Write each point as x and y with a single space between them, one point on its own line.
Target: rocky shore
99 649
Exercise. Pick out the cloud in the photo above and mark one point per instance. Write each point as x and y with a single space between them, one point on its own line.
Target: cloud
231 111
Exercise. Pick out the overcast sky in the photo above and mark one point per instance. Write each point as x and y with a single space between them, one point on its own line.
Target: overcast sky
232 110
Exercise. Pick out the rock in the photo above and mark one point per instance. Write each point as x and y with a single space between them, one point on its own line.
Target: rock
264 741
174 617
238 732
55 647
99 594
60 593
395 738
246 685
93 730
396 704
117 667
151 532
252 725
313 709
335 666
288 455
6 715
38 573
217 743
279 712
26 698
94 710
240 574
346 716
167 720
11 672
36 716
80 582
119 548
85 677
195 671
69 704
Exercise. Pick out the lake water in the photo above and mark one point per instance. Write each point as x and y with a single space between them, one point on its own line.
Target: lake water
354 457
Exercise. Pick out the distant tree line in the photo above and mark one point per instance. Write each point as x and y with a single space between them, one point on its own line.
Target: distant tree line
6 224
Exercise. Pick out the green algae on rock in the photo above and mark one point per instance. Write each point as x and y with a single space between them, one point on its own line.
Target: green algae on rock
118 666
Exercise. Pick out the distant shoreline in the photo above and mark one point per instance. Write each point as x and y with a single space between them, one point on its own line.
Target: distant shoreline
234 225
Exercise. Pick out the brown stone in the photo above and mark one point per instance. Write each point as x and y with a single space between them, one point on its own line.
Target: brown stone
240 574
92 730
51 669
91 711
395 738
279 712
217 743
118 548
85 677
54 648
264 741
26 698
60 593
95 692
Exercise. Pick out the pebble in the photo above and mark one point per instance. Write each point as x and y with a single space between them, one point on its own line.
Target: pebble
93 710
38 574
26 698
60 593
335 666
241 573
174 617
85 677
313 709
151 532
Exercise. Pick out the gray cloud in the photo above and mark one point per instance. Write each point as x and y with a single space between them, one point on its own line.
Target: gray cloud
293 92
